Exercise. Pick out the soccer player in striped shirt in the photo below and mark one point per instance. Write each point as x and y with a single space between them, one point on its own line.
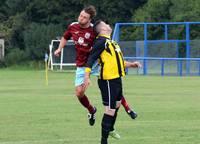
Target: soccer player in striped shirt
112 69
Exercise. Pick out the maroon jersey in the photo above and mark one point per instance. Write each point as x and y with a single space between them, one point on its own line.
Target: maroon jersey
83 39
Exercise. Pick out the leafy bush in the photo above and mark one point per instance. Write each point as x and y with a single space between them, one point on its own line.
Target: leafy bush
37 38
2 64
28 65
15 56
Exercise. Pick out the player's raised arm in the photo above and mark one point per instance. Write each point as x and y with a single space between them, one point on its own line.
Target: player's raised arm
62 44
135 64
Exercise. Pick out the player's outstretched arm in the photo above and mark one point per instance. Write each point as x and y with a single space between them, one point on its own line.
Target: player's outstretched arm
135 64
62 44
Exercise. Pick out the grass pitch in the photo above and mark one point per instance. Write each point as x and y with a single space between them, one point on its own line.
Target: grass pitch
32 113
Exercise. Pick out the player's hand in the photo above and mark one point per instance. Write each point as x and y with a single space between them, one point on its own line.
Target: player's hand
57 52
136 64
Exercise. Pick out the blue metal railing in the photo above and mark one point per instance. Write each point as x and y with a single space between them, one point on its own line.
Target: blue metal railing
116 37
162 63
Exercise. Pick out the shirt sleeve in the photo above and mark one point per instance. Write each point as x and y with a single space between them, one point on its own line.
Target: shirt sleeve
97 49
67 35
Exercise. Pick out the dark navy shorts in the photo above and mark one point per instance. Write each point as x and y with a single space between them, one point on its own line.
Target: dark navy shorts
111 91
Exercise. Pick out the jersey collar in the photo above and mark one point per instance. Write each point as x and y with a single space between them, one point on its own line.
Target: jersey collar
103 35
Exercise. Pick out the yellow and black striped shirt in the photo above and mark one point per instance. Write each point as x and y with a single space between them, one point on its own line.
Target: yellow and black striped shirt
109 57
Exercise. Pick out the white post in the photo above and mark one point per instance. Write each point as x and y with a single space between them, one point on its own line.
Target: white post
50 56
61 59
2 49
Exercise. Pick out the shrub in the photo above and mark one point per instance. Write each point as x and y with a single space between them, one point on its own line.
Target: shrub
15 56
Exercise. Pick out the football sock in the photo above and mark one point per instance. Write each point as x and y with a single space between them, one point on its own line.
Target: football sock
114 119
106 125
125 104
85 102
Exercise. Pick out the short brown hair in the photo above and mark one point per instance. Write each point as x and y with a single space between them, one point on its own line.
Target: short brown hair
95 26
90 10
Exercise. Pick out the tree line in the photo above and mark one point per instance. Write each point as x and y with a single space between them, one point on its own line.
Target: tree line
29 25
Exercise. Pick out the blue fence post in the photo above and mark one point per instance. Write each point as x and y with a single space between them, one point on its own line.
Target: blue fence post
199 66
145 50
180 68
166 32
162 67
177 55
187 48
116 33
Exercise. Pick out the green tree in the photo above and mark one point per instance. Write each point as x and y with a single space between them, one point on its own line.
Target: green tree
115 11
153 11
183 10
52 11
37 38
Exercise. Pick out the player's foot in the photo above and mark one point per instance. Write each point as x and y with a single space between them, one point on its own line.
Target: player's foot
92 117
132 114
114 134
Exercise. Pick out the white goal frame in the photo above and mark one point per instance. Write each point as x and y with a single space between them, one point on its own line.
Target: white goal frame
51 64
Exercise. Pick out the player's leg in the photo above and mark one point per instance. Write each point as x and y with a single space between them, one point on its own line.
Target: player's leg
80 93
118 88
83 99
127 108
106 124
108 92
108 117
113 133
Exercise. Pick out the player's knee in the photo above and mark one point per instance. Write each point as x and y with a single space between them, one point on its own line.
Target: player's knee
79 94
79 91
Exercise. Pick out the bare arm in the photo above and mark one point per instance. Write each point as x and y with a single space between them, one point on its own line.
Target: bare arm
62 44
135 64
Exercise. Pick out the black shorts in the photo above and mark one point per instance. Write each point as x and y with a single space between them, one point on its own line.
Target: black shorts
111 91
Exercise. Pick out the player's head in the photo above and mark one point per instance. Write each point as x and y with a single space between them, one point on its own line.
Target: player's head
100 27
86 15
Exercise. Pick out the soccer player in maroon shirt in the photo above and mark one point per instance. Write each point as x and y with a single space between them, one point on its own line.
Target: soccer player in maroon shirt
83 36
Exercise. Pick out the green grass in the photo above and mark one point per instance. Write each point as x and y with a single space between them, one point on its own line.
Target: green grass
33 113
